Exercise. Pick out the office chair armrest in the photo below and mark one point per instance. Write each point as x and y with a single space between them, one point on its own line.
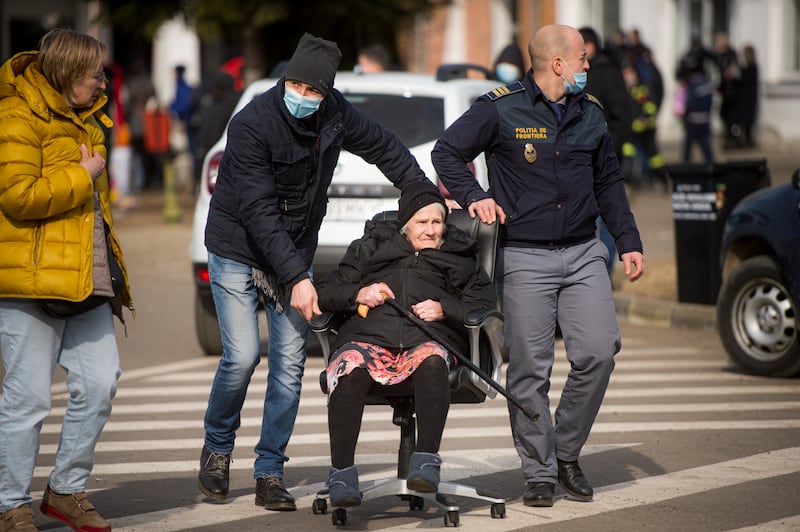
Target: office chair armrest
476 317
325 327
321 323
486 346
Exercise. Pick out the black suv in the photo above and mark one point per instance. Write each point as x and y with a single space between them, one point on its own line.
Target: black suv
757 308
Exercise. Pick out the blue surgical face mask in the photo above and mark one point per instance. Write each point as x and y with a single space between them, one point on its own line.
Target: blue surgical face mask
300 106
580 81
506 72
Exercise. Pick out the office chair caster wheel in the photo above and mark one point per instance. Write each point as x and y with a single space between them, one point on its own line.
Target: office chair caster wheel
416 503
451 518
498 510
339 517
319 506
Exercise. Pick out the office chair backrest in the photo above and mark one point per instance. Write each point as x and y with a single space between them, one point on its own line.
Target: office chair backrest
450 71
484 234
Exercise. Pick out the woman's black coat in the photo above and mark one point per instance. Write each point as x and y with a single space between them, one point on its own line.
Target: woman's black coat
450 275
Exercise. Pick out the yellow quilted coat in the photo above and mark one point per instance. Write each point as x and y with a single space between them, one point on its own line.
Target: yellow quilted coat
46 196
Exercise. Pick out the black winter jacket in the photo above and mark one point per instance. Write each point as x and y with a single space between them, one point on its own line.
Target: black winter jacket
606 83
450 275
271 190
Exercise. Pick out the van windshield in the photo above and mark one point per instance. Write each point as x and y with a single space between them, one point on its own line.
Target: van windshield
415 119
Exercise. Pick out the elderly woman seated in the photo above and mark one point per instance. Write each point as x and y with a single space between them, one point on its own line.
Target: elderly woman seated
430 268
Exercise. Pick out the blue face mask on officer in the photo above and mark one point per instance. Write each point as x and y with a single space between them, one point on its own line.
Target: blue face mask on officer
579 84
300 106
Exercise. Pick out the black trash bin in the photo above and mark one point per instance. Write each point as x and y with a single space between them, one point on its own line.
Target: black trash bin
703 196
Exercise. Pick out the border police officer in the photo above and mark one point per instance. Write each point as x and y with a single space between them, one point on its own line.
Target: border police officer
552 170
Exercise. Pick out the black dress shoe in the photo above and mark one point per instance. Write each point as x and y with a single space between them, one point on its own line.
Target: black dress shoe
539 494
272 495
572 480
214 473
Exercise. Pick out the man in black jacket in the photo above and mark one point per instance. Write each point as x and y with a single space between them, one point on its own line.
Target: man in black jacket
261 235
607 85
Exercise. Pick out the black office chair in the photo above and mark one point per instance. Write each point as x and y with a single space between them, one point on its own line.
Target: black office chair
450 71
486 350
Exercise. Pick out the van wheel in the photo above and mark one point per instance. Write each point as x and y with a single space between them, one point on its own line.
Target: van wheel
757 319
207 325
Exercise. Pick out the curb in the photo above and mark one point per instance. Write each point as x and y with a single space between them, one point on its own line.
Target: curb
647 311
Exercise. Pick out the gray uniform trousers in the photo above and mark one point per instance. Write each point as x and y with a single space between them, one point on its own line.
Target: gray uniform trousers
536 288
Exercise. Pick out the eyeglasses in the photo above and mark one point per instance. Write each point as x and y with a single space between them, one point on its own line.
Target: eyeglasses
100 77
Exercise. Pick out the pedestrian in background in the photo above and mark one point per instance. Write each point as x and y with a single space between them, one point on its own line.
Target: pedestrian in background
183 106
261 236
695 112
608 86
617 47
646 86
552 170
137 91
212 117
373 58
728 66
747 90
647 169
509 65
52 181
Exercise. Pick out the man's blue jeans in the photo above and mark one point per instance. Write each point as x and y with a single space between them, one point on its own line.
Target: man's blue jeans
236 300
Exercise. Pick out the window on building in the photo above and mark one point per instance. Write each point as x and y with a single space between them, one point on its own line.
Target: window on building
610 18
720 16
793 37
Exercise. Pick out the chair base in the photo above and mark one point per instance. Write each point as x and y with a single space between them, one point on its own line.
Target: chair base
374 489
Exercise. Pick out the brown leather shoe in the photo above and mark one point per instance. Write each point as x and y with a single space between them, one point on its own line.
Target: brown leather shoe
74 510
19 519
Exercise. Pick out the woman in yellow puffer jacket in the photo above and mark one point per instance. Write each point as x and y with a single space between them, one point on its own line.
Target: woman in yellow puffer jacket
57 245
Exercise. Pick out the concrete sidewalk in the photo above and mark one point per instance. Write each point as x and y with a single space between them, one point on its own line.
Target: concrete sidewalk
653 299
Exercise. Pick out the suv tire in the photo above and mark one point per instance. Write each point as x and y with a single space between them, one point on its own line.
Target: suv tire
207 325
756 317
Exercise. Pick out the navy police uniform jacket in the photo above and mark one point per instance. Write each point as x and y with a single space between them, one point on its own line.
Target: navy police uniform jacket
271 191
551 178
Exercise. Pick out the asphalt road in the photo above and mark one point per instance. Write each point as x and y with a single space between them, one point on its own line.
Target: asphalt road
683 442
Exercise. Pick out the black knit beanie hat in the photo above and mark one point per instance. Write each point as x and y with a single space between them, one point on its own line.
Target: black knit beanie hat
416 196
511 54
314 61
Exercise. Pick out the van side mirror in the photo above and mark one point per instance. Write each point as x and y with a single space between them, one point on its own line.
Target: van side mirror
796 179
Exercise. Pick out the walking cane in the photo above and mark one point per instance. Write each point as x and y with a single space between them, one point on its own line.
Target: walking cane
362 310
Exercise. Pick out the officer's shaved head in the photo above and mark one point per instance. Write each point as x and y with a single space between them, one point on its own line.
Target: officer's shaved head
550 41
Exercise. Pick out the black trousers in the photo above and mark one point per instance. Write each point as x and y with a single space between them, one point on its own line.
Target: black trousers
429 387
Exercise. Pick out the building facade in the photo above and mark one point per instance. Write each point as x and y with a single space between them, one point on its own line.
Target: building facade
474 31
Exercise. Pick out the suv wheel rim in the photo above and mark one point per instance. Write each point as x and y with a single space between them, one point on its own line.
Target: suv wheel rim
764 320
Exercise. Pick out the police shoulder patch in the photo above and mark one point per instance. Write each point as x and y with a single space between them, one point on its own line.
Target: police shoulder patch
505 90
593 99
